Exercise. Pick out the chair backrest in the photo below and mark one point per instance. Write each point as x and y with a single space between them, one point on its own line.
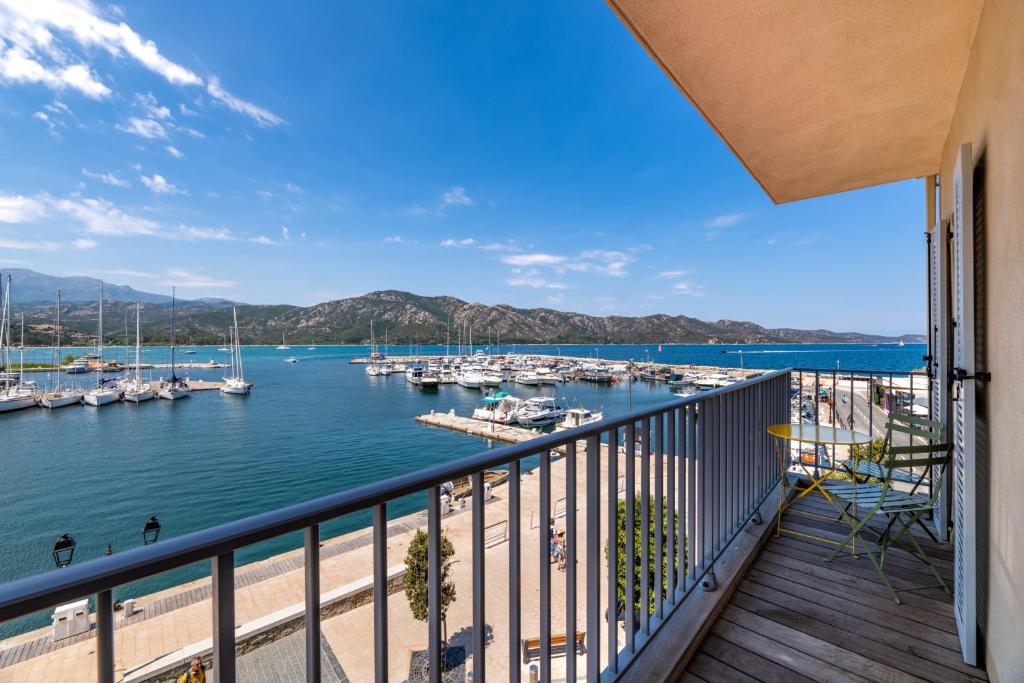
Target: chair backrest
923 450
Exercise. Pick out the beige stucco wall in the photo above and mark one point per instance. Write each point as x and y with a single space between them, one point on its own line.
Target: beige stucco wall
990 115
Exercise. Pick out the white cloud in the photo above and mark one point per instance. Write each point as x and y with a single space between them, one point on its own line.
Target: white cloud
158 184
533 259
285 235
674 274
174 152
467 242
111 179
397 239
263 239
534 283
20 209
187 279
152 107
416 210
688 289
144 128
293 188
725 221
58 107
500 246
265 194
29 246
456 196
101 217
18 67
83 243
32 21
263 117
191 232
556 298
185 111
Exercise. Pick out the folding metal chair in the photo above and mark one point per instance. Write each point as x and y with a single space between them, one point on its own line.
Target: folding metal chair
901 509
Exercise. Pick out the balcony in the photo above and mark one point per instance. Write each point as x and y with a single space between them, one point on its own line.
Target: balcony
695 481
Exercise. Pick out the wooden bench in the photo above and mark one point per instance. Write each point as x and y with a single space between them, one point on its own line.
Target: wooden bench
559 645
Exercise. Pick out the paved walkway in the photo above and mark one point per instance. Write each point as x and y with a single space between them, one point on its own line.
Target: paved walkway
25 650
285 660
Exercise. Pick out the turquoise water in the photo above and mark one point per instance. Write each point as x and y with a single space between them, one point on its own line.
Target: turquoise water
308 429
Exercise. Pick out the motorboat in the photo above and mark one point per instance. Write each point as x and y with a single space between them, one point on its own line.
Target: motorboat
546 377
539 411
421 377
498 407
491 379
469 378
81 365
527 377
713 381
446 375
577 417
291 359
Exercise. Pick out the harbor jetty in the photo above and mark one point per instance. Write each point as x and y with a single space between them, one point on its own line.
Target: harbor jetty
467 425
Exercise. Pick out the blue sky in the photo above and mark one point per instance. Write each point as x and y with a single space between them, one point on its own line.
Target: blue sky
529 154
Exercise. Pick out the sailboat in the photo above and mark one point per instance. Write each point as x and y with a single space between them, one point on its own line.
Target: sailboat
190 349
373 369
223 344
101 395
135 390
59 396
16 395
283 346
236 384
173 387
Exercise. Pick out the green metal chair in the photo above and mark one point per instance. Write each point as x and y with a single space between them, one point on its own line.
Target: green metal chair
874 493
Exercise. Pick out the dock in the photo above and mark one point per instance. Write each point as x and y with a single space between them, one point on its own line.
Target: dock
467 425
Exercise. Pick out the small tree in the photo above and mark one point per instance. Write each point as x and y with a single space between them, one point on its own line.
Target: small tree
639 535
417 579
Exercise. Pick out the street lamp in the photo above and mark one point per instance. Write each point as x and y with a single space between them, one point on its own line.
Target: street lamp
63 551
151 531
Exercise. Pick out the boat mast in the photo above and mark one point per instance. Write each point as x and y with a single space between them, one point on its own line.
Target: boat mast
99 341
56 351
238 345
173 335
138 342
21 360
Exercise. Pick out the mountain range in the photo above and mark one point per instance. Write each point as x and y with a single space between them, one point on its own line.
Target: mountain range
405 317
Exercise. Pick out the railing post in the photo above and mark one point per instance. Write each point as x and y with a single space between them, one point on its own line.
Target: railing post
224 617
659 510
479 621
613 551
630 523
312 558
434 583
104 637
514 578
593 560
380 592
570 559
544 531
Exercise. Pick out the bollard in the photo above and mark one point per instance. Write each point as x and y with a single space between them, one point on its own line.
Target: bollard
534 673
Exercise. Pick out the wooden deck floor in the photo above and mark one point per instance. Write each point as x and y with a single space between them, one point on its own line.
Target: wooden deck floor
795 617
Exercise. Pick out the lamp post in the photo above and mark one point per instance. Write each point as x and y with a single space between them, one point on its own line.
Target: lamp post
63 551
151 531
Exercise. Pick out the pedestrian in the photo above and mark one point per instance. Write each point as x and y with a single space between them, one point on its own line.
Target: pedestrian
195 673
560 551
551 539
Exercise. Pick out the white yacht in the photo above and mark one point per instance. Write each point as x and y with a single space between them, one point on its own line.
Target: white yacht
80 365
527 377
713 381
546 377
59 396
539 411
283 346
421 377
104 393
236 384
577 417
173 388
498 407
469 377
135 389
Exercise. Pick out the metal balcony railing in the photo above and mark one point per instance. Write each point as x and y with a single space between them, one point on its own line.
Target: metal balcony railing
713 465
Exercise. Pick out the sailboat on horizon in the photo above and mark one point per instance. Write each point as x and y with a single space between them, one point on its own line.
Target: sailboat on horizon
283 346
102 394
59 396
173 387
236 384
